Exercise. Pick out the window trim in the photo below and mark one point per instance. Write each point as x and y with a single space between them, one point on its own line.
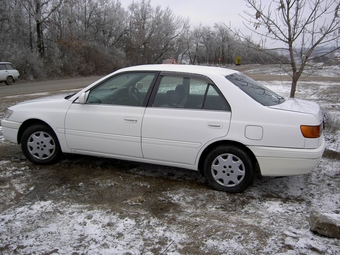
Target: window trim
175 74
189 76
147 95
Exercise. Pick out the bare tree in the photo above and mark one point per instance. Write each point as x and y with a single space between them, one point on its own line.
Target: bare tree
86 37
193 45
300 25
211 46
40 11
227 46
152 33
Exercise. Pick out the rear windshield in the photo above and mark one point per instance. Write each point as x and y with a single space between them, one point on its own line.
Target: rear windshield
255 90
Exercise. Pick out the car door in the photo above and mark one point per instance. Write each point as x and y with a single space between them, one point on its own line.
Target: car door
185 114
3 72
109 122
10 70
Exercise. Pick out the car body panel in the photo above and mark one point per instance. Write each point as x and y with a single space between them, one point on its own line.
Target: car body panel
177 135
119 131
50 110
287 161
10 130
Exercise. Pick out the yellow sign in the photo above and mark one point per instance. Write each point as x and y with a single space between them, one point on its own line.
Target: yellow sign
238 60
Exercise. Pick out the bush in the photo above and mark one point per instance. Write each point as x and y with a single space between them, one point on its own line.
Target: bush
29 65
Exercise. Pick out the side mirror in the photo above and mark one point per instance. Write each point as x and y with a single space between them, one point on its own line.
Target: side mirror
83 97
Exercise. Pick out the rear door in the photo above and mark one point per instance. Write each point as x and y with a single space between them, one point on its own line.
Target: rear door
186 113
11 71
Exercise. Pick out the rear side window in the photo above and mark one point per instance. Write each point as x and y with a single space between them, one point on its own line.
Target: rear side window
6 66
255 90
189 93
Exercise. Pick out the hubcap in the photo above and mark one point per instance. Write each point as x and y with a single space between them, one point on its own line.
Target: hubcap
228 170
41 145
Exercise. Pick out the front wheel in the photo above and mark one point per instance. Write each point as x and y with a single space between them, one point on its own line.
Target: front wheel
9 80
229 169
40 145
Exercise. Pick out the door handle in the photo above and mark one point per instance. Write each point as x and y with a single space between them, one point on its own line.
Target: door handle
130 119
215 125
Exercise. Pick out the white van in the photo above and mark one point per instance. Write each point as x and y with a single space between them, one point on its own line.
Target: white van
7 73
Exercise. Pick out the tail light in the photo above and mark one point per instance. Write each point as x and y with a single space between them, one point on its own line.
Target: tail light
311 131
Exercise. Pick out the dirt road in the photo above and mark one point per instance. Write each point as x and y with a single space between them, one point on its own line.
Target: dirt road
24 87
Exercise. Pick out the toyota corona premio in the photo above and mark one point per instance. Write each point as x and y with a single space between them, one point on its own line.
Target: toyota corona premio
214 120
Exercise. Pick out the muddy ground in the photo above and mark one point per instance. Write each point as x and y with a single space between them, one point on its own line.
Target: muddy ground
173 210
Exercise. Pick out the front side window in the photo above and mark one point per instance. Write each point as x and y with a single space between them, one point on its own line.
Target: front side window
189 93
255 90
9 67
122 89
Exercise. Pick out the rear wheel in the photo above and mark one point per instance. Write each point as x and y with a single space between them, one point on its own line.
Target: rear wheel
229 169
9 80
40 145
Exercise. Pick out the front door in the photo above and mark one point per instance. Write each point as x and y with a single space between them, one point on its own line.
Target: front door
109 123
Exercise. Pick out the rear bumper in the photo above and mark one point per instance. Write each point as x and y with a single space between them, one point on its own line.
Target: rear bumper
285 161
10 130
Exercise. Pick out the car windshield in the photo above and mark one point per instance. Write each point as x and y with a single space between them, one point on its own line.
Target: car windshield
255 90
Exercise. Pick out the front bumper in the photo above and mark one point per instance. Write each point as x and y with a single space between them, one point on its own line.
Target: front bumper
10 130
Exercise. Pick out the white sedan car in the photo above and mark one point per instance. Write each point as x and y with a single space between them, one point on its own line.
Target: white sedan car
214 120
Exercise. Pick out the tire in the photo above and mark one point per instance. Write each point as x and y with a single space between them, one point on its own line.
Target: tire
40 145
229 169
9 80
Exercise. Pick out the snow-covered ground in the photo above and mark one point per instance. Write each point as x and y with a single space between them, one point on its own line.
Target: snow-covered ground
177 216
313 70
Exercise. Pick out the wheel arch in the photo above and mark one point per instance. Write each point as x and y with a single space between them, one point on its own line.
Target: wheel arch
208 149
29 123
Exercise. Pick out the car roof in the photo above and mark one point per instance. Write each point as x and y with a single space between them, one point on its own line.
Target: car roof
5 63
194 69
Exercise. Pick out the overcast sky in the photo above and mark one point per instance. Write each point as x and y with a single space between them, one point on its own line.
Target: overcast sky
209 12
206 13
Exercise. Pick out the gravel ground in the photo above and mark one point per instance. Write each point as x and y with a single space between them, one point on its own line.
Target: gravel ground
87 205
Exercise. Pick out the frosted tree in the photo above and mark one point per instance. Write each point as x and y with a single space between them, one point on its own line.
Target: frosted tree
299 25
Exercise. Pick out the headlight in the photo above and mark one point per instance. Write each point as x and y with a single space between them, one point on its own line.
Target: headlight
8 114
